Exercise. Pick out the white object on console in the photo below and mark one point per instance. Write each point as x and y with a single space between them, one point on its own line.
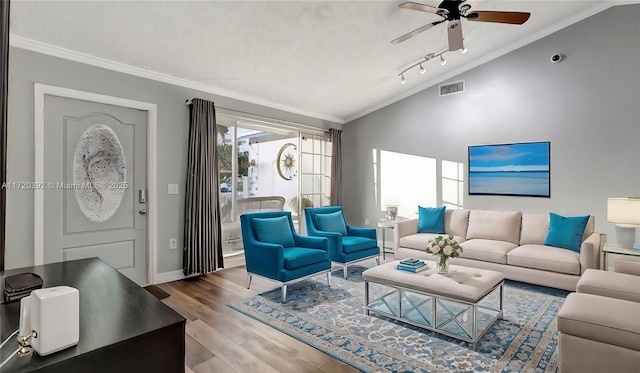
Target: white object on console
54 315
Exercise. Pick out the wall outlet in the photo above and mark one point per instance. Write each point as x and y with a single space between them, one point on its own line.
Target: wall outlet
366 221
172 189
173 244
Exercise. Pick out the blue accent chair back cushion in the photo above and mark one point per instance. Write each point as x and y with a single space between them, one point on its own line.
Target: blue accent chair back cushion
332 222
274 230
431 219
566 232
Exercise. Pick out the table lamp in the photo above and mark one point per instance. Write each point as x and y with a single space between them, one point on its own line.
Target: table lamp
625 214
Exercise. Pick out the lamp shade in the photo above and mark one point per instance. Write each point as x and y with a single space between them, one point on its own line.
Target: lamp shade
623 211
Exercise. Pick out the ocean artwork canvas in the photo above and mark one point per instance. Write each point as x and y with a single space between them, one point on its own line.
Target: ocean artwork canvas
521 169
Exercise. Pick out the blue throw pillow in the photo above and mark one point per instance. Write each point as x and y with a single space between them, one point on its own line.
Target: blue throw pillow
566 232
332 222
431 219
274 230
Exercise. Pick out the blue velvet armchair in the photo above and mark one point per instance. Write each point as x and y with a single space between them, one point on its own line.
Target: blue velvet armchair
347 244
273 249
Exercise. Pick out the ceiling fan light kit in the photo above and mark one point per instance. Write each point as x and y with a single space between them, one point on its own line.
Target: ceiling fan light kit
453 11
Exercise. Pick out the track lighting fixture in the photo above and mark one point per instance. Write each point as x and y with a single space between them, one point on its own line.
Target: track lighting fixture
420 65
442 61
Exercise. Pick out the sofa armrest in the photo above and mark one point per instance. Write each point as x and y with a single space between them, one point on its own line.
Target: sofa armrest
320 243
403 228
362 232
627 266
265 259
590 253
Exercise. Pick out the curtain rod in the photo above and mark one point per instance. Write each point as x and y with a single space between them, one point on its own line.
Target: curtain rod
267 120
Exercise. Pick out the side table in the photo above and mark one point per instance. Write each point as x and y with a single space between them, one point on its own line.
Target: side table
384 225
612 248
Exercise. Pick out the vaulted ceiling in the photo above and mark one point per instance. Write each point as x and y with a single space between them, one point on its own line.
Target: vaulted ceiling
332 60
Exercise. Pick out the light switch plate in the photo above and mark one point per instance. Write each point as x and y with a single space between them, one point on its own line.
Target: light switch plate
172 189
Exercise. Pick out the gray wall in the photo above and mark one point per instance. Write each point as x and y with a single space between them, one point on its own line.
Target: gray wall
27 68
588 107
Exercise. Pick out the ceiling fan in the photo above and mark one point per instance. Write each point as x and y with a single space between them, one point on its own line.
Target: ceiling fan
452 11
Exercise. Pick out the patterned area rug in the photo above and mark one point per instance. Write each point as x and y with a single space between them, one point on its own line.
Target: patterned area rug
333 320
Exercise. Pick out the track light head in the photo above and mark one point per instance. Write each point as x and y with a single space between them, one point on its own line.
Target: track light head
403 80
442 61
422 70
463 50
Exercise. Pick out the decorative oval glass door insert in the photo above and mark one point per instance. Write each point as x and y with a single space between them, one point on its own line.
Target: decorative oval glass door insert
99 173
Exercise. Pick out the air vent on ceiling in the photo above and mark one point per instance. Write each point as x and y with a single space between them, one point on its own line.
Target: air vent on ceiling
451 88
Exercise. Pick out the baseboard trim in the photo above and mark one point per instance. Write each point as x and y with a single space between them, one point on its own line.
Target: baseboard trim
161 278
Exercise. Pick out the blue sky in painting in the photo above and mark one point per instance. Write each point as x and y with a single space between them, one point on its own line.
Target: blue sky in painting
511 157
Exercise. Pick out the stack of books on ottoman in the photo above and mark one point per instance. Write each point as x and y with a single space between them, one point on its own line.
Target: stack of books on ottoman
412 265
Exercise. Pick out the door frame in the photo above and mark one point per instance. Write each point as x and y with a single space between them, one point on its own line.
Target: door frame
40 91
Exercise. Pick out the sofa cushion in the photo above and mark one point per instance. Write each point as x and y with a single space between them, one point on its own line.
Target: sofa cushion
610 284
602 319
274 230
590 228
419 241
486 250
627 267
545 258
456 223
296 257
495 225
431 219
332 222
352 244
534 229
566 231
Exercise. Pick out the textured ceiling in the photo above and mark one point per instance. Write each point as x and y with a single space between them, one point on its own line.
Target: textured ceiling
329 60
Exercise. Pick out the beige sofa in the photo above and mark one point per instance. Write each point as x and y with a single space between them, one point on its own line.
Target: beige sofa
599 325
510 242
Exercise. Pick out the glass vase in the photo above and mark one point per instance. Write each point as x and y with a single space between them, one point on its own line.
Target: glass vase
443 266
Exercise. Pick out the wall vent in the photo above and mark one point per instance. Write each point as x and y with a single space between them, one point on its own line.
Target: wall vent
451 88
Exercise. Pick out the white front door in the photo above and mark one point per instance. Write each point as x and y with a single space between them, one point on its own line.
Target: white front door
95 184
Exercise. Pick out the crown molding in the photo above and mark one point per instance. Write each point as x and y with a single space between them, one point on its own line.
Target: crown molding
599 7
68 54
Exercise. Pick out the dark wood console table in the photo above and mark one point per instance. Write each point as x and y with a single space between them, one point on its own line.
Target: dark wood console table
123 328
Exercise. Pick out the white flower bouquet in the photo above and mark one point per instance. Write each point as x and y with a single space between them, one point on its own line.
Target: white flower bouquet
445 248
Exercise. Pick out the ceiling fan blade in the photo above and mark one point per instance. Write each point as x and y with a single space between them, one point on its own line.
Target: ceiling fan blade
415 32
514 18
454 29
422 8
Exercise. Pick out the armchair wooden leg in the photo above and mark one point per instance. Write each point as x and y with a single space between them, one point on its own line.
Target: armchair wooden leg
345 271
284 293
329 279
249 280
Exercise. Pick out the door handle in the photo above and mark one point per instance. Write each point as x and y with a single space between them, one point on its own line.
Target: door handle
143 211
142 196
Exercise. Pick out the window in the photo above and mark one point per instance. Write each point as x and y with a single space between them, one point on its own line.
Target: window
260 159
452 184
407 181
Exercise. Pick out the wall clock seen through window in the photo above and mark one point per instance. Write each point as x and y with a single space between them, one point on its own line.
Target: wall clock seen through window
287 162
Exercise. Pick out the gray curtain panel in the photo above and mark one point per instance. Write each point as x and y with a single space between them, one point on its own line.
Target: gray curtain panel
4 92
202 226
335 136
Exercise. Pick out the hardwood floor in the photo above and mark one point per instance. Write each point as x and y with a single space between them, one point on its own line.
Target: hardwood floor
220 339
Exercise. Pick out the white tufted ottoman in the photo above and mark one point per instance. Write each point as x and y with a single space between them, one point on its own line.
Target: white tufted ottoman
462 304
